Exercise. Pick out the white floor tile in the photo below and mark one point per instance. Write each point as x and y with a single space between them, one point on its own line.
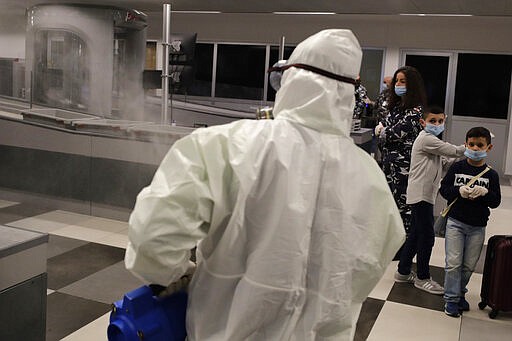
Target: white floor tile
500 222
506 191
104 224
5 203
115 239
81 233
96 330
488 330
437 257
37 224
50 221
383 288
403 322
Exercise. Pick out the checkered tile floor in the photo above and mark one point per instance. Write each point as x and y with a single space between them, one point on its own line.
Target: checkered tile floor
86 274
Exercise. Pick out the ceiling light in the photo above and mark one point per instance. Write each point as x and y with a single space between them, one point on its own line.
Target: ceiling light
436 15
197 12
304 13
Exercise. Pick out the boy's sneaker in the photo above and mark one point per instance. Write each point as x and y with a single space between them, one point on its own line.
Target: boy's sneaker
451 309
405 278
463 304
429 285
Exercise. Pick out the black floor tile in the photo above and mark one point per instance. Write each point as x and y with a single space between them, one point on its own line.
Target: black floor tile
66 314
407 293
369 312
81 262
20 211
58 245
107 285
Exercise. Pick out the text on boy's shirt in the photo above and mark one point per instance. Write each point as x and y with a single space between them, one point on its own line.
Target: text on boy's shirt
463 179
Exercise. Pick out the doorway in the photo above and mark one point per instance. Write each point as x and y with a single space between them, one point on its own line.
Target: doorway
437 70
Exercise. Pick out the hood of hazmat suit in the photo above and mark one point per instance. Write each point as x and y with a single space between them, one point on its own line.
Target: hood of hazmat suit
294 224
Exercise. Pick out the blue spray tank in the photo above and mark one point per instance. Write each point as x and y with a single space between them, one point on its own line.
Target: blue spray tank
142 316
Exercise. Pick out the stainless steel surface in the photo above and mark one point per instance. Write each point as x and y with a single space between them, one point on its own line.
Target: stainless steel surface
281 48
161 133
166 34
106 126
54 116
15 240
22 255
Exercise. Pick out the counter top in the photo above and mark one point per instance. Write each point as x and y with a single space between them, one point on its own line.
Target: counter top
15 240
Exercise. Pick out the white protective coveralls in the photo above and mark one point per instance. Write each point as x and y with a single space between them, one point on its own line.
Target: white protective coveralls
295 223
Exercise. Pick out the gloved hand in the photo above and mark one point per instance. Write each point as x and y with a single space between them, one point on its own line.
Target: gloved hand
477 192
180 284
465 191
378 129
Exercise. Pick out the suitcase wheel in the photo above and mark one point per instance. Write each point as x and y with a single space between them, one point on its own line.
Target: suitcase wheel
482 305
493 313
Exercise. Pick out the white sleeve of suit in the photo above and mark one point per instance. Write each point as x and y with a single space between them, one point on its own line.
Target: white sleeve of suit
170 216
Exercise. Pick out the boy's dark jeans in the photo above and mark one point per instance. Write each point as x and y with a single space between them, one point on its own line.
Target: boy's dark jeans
420 240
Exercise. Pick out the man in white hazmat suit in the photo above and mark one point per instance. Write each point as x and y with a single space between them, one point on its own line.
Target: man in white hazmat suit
295 224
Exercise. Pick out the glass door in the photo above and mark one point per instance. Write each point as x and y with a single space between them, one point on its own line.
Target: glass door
437 70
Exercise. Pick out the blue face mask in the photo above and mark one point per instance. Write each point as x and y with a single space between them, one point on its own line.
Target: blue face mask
400 90
433 129
475 155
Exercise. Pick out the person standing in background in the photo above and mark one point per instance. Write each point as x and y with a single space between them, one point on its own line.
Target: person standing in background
381 103
380 111
362 99
407 100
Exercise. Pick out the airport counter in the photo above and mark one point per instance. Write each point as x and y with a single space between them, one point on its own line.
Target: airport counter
83 163
22 284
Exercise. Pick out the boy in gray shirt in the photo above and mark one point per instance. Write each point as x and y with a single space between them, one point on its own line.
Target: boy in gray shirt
425 175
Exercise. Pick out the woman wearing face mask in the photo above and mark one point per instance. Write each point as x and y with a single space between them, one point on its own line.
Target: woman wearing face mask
407 98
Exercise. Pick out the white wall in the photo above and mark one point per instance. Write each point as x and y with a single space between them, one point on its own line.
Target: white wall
12 35
12 45
463 33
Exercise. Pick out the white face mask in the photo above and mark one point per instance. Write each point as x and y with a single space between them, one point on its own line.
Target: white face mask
400 90
475 155
433 129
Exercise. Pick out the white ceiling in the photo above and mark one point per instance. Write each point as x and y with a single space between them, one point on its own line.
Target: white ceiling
471 7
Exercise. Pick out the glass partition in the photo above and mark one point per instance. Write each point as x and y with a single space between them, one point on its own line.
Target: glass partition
61 76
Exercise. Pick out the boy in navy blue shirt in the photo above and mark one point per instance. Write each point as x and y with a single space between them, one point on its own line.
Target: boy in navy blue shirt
467 218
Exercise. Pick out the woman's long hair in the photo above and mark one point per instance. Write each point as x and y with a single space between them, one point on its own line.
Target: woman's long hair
415 95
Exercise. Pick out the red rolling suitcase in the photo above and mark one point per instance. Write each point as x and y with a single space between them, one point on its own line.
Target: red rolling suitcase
496 289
